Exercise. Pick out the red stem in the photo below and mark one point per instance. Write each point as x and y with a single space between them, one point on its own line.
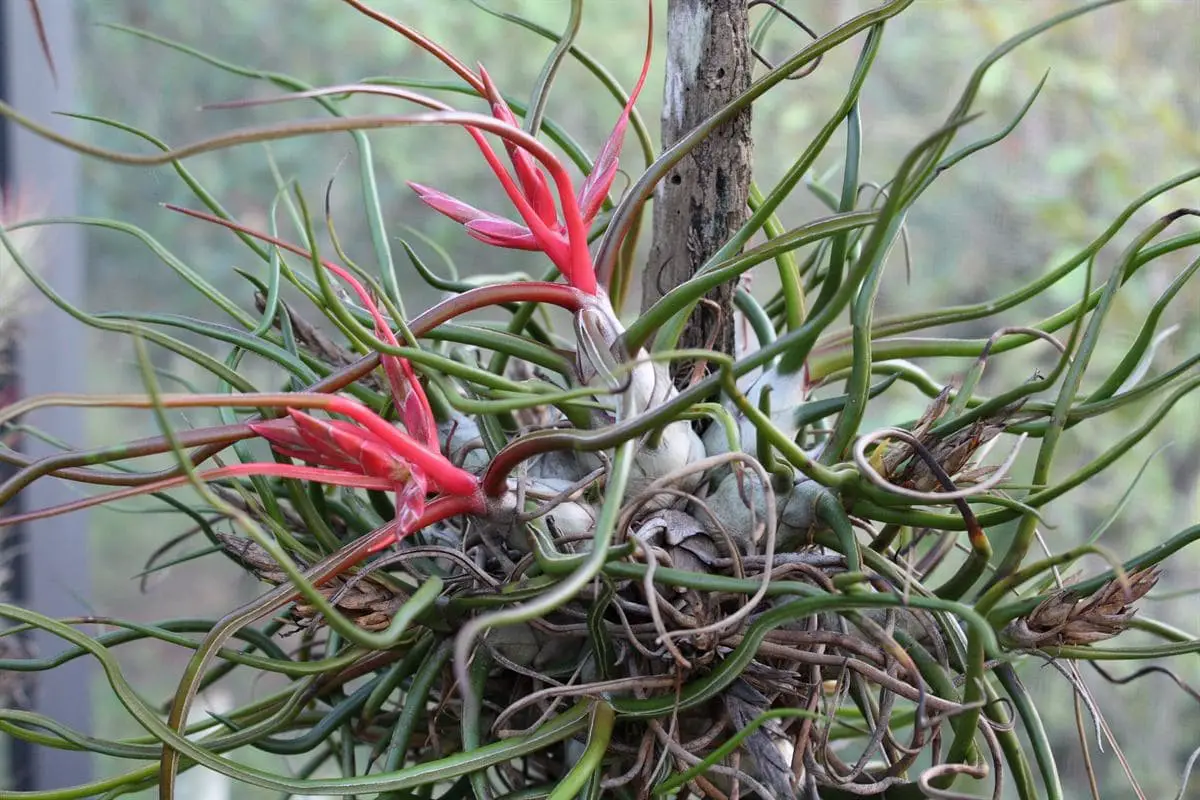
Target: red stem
495 478
421 41
330 476
439 508
558 294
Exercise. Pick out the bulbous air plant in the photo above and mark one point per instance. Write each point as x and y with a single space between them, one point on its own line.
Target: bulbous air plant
557 529
373 454
557 227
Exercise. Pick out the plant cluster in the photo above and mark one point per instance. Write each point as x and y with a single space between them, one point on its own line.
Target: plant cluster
517 560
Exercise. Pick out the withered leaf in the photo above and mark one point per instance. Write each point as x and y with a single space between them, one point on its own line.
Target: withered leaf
744 704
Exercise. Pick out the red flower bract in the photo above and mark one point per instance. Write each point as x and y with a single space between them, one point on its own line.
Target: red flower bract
410 462
543 229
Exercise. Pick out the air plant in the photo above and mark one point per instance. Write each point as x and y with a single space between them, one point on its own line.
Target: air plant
719 588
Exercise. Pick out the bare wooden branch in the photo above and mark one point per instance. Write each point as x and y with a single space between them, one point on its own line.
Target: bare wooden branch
703 199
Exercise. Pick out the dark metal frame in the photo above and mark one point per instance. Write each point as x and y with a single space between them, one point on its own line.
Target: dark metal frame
52 560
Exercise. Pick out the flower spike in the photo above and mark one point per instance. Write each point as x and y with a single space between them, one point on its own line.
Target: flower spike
604 171
563 240
533 182
368 453
485 226
407 393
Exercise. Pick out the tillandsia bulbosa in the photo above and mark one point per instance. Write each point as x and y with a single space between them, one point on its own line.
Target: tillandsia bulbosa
527 561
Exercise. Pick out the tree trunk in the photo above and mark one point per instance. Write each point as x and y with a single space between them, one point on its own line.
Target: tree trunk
702 201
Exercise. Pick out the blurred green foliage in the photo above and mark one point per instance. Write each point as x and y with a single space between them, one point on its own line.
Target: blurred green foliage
1119 113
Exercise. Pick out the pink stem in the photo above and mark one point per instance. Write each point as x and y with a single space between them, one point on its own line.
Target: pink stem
567 297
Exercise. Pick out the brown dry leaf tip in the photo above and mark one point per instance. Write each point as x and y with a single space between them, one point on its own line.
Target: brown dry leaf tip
43 38
314 340
1065 618
952 452
369 603
252 558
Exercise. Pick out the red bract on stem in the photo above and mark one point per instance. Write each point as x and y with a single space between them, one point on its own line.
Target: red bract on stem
440 508
532 198
567 297
374 456
209 441
564 242
407 393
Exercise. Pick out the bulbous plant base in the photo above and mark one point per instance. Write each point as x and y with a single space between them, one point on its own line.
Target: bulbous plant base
705 628
737 627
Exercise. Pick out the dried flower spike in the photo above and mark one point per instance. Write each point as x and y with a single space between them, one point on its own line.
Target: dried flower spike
1067 619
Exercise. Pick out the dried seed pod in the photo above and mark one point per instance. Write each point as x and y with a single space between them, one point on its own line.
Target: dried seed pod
368 602
1065 618
952 452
